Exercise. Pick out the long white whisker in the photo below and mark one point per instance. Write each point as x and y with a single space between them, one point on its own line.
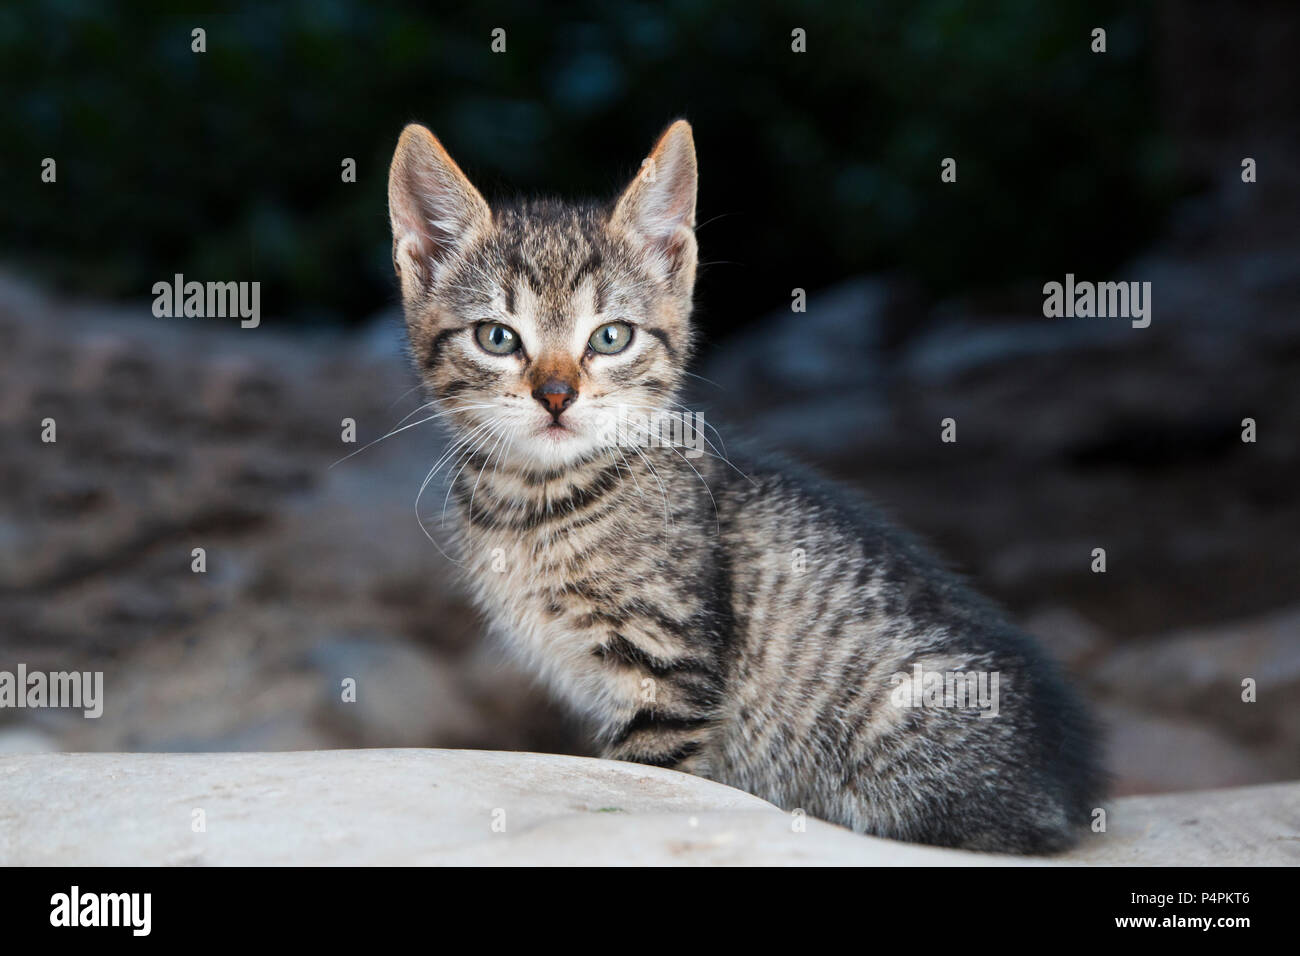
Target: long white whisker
468 458
662 490
405 393
717 454
501 434
447 456
403 428
645 431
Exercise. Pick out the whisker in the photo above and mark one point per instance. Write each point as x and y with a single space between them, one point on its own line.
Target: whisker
405 393
501 433
662 490
395 431
720 456
468 458
672 448
446 456
703 379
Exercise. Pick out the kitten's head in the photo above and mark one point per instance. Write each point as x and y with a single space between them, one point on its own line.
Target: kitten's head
536 323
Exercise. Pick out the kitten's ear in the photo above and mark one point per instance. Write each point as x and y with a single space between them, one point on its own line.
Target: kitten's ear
658 208
435 210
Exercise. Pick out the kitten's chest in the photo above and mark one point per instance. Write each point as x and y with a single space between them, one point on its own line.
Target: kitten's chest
549 617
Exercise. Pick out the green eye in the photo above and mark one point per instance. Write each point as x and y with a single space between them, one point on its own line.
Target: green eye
611 339
496 338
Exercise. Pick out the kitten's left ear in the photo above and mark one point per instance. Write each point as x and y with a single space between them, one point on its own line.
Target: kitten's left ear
658 207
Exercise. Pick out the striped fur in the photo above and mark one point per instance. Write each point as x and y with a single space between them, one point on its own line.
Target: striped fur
734 619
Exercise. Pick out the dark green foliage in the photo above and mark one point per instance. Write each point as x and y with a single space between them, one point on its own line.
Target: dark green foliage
226 165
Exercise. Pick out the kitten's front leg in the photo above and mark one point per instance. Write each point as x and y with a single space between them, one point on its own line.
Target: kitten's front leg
667 715
662 740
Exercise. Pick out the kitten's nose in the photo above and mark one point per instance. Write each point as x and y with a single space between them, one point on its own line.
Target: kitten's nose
555 396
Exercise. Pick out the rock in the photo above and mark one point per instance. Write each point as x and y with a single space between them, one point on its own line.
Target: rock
1149 753
1070 637
26 740
1246 826
829 350
828 346
438 807
404 695
1196 676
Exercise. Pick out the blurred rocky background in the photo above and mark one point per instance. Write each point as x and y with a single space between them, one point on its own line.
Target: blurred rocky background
819 172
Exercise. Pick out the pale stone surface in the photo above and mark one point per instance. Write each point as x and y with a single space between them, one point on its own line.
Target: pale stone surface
1244 826
439 807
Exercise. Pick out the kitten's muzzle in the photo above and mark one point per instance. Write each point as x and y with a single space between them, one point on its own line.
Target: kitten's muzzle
555 396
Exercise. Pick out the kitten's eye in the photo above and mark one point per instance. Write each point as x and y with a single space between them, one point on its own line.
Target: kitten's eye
496 338
611 339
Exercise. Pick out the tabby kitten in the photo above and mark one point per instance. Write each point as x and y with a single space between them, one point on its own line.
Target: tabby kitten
747 624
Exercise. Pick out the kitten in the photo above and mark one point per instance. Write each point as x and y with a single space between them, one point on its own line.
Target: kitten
747 624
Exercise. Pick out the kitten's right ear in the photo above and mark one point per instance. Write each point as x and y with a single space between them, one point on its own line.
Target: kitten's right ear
435 210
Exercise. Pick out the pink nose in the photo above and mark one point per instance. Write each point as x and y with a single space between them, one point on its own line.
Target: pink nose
555 396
